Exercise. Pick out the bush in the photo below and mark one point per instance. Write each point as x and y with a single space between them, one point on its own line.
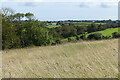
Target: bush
58 41
83 37
95 36
69 39
40 36
9 36
115 35
105 37
77 37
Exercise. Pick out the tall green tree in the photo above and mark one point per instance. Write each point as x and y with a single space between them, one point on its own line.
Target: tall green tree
18 16
29 16
9 35
41 36
92 28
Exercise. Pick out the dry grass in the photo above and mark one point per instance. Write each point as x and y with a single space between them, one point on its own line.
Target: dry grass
0 65
95 59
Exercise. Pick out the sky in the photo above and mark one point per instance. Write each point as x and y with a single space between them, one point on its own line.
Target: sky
54 10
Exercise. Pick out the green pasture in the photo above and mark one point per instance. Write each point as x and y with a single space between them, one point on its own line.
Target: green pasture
107 32
53 26
86 23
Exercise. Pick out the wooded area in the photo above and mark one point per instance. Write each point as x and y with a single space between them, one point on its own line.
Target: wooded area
22 30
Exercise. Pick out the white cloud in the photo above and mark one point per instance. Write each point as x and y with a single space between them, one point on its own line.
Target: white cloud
83 3
106 5
31 4
98 4
22 0
60 0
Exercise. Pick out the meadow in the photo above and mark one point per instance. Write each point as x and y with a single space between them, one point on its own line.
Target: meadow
107 32
85 23
75 23
53 26
31 50
85 59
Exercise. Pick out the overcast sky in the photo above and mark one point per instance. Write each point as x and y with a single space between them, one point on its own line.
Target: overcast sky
45 10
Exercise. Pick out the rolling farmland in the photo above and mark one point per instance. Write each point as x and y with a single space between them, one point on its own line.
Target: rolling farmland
107 32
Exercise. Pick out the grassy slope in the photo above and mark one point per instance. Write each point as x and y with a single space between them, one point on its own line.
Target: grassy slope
86 23
95 59
53 26
107 32
76 23
0 65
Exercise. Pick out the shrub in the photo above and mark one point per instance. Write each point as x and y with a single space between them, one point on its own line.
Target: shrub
41 36
58 41
83 37
9 36
115 35
95 36
69 39
77 37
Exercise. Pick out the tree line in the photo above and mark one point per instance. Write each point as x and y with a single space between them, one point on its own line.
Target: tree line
22 30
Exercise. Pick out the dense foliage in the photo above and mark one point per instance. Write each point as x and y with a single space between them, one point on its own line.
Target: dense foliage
17 32
23 30
95 36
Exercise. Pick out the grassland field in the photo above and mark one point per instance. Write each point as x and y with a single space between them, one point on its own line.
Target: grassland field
76 23
107 32
85 23
53 26
85 59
